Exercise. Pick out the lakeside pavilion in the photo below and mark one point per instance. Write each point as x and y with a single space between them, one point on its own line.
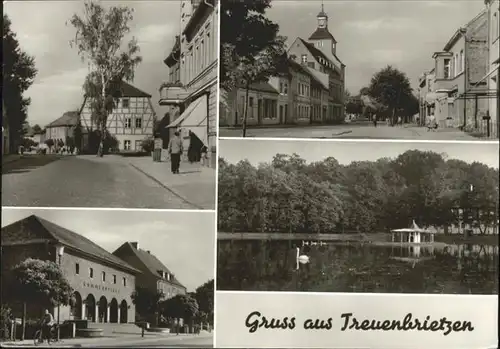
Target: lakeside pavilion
414 234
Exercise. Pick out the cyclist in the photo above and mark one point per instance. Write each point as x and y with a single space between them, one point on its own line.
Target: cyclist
47 323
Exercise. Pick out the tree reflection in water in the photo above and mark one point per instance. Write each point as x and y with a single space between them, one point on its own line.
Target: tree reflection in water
270 265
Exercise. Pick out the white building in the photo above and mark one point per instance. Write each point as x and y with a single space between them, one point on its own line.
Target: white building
196 93
131 121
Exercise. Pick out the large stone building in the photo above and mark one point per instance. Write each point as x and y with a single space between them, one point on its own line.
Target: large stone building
102 283
311 92
154 274
193 75
459 97
131 121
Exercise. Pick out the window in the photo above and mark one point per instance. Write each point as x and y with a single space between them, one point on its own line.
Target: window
128 122
114 279
91 273
125 103
138 145
462 62
103 276
126 145
286 89
124 281
138 123
310 65
281 87
304 59
447 68
77 268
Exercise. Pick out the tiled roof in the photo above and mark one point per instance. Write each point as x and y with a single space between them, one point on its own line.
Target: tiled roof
304 70
318 54
128 90
70 118
41 230
152 263
261 86
322 33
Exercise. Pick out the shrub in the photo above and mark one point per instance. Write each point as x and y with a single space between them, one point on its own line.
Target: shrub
148 145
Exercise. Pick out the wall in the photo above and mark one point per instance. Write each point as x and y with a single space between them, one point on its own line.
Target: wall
59 132
122 121
253 116
13 255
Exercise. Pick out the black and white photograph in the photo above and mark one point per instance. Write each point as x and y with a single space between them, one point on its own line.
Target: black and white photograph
352 216
110 104
360 69
88 278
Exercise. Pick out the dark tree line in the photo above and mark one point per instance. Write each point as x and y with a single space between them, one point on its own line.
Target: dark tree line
290 195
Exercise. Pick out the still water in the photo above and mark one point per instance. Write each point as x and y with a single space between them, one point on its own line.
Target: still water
271 265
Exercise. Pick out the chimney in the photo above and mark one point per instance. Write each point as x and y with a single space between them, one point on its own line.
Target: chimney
135 245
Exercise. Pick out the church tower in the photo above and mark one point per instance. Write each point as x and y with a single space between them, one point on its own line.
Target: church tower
322 39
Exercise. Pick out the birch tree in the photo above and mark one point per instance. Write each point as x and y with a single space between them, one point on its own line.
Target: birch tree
100 39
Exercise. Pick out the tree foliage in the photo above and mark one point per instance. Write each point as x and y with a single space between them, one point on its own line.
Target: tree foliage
39 282
100 40
290 195
391 89
204 296
19 73
181 306
146 301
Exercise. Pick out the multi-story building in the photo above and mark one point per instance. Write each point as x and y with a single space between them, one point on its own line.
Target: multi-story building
62 128
311 92
155 275
459 70
493 79
427 96
131 121
102 283
262 105
319 53
196 92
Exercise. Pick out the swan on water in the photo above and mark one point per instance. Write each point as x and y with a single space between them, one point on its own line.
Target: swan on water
302 259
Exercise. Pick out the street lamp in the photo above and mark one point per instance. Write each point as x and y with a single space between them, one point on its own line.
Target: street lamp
60 252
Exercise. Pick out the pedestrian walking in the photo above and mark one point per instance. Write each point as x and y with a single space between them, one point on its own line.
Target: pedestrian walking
374 119
175 150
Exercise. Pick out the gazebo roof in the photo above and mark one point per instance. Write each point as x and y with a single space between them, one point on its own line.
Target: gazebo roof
414 228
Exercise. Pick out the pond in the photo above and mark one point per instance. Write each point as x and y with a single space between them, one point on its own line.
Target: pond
271 265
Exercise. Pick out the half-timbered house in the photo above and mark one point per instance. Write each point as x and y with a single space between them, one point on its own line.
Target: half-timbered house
131 121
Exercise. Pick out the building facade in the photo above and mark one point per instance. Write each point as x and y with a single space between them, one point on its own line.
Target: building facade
427 96
154 274
131 121
312 92
195 59
460 90
61 129
493 12
102 283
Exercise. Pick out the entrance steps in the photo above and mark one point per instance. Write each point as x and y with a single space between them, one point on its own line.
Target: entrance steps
112 329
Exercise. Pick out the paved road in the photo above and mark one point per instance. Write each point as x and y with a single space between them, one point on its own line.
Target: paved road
157 341
351 131
84 182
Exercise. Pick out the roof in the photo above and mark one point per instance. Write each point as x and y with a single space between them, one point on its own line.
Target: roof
462 30
318 54
322 33
70 118
262 86
128 90
152 264
414 228
39 230
305 70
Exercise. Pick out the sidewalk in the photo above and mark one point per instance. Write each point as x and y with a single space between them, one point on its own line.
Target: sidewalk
195 183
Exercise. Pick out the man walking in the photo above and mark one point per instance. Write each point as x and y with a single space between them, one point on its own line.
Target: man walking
175 150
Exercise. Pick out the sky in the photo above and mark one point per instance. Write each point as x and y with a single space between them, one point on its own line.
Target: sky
183 241
42 32
372 34
257 150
